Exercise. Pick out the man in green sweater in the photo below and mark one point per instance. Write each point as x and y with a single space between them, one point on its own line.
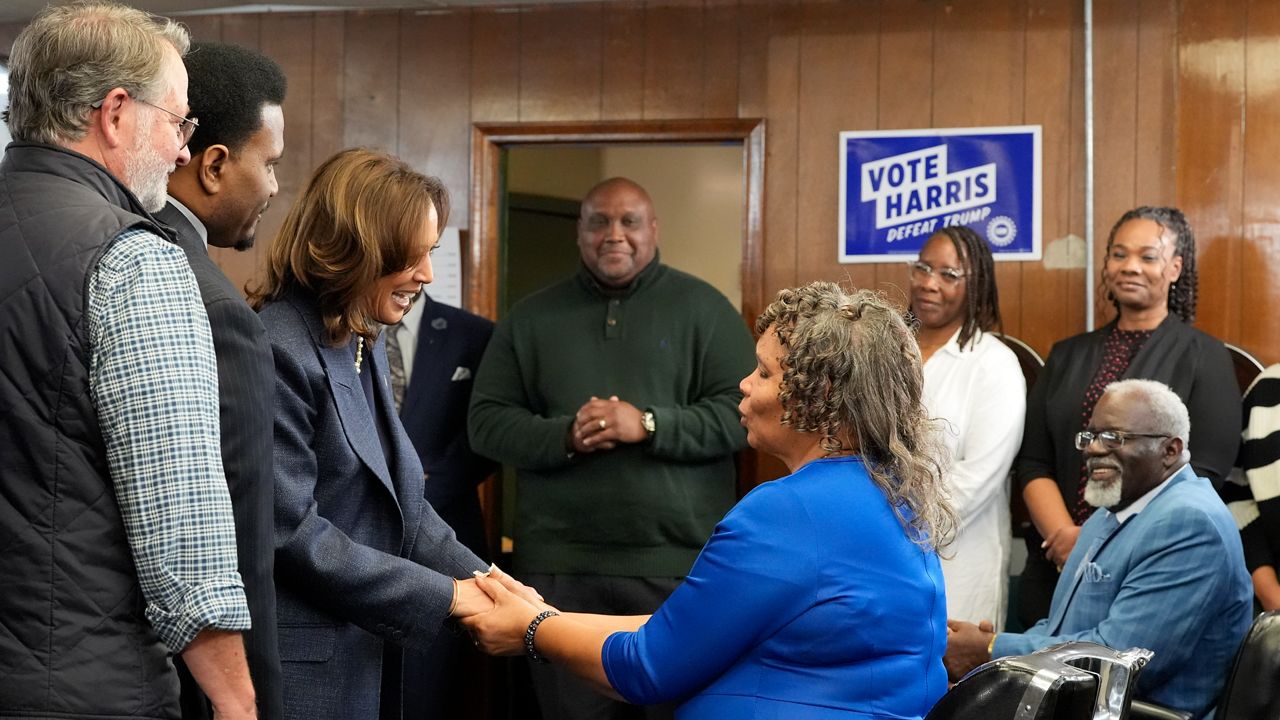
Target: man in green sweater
614 394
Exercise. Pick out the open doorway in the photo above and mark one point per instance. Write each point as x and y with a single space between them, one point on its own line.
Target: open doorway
483 258
697 192
491 143
540 171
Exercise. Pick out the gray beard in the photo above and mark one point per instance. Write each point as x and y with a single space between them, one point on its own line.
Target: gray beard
1103 496
147 174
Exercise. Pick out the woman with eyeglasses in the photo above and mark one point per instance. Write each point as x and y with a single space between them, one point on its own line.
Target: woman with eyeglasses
973 383
1149 276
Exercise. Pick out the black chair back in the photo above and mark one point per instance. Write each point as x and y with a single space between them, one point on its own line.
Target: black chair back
1245 365
1253 687
1028 359
1031 364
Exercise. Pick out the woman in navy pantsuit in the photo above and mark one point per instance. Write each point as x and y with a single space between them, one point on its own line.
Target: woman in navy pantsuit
364 566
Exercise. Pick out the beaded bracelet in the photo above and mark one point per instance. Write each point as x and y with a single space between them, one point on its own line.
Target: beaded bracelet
528 635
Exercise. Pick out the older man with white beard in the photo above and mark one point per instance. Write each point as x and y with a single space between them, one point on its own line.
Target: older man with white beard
119 548
1159 565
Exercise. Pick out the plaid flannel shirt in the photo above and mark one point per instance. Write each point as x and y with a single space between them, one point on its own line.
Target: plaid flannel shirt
153 379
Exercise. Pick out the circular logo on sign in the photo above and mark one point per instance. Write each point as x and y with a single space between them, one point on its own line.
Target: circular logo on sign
1002 230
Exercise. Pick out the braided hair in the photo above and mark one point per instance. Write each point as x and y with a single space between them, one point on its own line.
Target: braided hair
981 296
1184 291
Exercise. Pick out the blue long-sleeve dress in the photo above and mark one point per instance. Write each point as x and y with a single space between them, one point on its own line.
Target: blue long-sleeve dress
809 601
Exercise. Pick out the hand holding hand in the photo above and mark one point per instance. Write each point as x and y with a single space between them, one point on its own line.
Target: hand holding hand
966 647
524 592
500 631
469 599
602 424
1057 546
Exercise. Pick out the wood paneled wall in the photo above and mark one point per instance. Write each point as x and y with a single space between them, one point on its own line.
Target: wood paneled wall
1176 81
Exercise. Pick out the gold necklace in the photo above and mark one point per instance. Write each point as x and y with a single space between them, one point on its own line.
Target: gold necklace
359 353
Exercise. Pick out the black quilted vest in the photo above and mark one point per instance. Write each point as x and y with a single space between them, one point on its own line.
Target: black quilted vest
74 641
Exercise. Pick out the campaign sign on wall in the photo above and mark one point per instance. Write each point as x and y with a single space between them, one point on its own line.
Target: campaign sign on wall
898 187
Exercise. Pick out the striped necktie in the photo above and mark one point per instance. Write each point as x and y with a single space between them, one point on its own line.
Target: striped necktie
395 362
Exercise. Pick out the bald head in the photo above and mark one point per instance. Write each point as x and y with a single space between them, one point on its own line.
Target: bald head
618 184
617 231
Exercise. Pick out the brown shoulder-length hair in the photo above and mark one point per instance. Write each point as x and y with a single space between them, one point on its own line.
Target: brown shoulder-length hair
359 218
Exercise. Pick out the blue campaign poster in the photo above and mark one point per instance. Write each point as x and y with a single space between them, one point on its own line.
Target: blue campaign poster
898 187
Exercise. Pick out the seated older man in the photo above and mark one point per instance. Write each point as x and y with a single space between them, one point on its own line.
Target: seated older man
1158 565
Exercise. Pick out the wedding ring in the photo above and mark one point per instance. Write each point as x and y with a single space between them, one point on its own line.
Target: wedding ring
603 424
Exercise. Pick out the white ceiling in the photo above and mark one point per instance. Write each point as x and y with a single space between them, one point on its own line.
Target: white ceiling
21 10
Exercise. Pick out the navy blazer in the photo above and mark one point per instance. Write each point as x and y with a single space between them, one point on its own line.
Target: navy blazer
434 412
245 380
361 557
1171 579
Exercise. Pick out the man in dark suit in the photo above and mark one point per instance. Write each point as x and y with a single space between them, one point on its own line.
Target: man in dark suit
444 348
440 347
217 200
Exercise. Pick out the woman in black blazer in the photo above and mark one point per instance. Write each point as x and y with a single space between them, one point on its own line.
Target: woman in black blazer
364 566
1149 274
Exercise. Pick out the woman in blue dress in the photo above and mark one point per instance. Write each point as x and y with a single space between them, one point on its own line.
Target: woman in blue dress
820 594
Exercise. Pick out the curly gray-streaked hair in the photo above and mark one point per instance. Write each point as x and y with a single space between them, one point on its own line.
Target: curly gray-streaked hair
852 374
70 56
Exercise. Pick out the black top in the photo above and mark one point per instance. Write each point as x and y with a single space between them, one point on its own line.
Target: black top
1194 364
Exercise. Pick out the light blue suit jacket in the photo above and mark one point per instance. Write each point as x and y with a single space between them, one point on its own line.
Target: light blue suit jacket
362 559
1171 579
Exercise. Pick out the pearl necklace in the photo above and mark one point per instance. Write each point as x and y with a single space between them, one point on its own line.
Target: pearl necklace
359 353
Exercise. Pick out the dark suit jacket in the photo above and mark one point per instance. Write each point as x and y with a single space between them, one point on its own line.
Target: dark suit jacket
450 344
434 413
245 381
361 557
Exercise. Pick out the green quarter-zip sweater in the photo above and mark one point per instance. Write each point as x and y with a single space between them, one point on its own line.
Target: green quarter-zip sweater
669 343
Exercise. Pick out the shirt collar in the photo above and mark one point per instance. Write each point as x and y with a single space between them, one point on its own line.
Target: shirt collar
641 280
1141 503
191 218
953 345
413 319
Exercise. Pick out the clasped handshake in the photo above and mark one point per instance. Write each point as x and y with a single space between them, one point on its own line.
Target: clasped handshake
496 610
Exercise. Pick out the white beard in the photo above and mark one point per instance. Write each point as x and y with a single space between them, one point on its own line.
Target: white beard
146 173
1102 495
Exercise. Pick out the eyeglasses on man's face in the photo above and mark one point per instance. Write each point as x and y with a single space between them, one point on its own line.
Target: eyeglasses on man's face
921 271
186 125
1110 439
